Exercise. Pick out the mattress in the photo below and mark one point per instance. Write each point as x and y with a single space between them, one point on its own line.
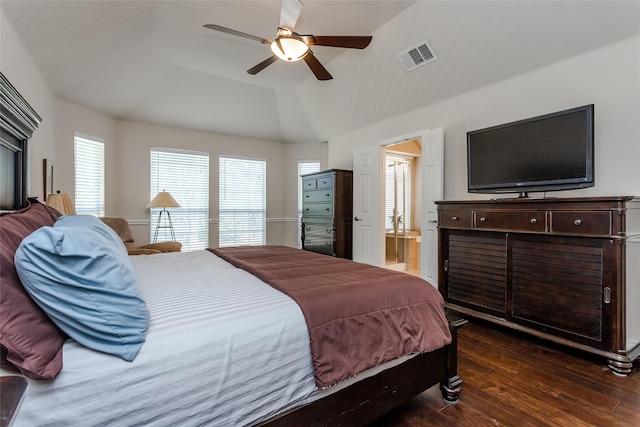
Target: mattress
223 348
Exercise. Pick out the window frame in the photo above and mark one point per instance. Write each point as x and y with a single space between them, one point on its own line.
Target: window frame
230 213
190 222
95 193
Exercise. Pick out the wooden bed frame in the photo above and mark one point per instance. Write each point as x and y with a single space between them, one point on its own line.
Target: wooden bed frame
355 405
366 400
18 121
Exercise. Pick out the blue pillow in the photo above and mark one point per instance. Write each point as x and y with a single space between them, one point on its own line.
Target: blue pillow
79 273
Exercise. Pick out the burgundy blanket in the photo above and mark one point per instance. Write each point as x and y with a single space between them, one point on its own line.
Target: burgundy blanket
358 315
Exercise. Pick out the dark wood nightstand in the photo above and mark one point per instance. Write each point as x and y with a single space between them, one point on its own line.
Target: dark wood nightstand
12 389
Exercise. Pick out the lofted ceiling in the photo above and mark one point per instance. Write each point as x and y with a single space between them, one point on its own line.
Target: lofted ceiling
153 61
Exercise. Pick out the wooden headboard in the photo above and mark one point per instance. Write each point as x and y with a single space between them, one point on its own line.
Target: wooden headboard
18 121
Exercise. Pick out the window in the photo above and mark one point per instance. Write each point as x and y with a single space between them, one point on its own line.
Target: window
304 167
89 170
185 175
398 192
242 202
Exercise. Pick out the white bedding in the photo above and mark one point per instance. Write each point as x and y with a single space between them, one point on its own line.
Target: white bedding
223 348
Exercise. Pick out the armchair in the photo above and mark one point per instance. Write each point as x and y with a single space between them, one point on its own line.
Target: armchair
121 227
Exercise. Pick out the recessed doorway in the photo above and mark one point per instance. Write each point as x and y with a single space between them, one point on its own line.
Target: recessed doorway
402 207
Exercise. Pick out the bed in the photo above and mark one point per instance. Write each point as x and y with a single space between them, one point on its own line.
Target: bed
221 346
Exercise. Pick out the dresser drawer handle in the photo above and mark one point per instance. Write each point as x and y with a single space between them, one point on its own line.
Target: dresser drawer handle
483 219
534 220
578 222
455 218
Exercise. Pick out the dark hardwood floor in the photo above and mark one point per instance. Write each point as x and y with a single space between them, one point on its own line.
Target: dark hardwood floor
511 379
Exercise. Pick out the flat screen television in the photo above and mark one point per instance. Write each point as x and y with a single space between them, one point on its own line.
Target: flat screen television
544 153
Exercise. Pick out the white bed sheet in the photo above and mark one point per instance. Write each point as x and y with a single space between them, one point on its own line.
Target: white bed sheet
223 348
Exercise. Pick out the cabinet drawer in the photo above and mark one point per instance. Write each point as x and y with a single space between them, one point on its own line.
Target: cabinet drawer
309 184
455 219
581 222
317 209
512 220
318 195
324 182
318 229
318 244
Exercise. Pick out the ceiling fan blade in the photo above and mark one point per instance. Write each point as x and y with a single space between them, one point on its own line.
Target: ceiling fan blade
236 33
290 13
261 66
317 68
351 42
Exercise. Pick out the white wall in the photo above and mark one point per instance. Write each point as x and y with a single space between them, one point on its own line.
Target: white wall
127 146
136 139
608 77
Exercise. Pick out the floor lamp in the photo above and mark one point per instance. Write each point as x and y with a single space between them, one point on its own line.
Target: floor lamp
163 200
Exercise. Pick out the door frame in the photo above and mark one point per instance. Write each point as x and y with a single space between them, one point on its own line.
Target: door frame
420 135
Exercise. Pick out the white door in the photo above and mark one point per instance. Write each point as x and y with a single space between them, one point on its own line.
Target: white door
367 234
432 190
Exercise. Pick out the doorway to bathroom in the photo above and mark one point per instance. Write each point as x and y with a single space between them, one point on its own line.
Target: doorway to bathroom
369 199
402 207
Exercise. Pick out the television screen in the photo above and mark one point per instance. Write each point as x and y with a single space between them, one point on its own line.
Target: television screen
550 152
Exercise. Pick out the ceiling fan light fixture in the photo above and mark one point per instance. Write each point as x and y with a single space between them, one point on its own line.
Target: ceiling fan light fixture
292 49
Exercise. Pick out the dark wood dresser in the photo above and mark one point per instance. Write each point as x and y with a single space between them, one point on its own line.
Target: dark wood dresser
327 207
554 267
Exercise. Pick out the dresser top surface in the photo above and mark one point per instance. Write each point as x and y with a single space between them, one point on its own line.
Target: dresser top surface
551 201
328 172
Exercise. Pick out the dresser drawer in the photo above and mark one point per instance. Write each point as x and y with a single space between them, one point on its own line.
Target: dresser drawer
317 209
581 222
512 220
324 229
325 182
456 219
309 184
318 244
325 195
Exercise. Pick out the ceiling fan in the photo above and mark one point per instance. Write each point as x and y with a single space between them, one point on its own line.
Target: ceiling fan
291 46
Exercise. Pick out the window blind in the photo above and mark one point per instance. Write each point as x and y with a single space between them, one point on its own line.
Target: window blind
185 175
398 191
242 209
89 176
304 167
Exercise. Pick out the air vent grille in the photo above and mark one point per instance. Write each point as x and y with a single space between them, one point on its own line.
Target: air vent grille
416 56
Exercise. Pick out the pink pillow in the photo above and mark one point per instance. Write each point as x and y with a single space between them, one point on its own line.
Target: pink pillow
30 341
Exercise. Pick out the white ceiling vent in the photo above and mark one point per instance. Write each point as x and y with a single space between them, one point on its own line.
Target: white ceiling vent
417 56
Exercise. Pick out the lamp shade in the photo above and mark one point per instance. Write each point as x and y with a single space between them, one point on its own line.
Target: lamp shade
163 200
61 202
